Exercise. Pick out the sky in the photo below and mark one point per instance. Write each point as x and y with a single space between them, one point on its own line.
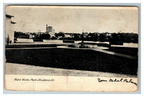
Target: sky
74 19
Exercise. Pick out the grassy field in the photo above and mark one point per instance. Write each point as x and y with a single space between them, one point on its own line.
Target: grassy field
125 50
79 59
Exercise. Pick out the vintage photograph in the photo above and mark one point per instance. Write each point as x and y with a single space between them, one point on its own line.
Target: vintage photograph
96 42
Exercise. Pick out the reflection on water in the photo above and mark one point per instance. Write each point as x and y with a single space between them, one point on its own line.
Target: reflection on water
30 41
134 45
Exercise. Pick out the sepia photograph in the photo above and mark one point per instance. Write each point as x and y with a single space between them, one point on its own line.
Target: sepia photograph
71 48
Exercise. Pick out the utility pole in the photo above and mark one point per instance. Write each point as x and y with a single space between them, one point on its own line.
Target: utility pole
82 36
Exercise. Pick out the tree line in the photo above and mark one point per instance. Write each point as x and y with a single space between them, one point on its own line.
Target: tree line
102 37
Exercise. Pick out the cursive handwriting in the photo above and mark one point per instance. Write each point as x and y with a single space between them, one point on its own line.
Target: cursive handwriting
118 80
101 80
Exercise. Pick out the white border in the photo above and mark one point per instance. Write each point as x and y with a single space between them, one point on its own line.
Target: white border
71 1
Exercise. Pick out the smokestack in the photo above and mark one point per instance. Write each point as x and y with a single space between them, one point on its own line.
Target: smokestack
46 27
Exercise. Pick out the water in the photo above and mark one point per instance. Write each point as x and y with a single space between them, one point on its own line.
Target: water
132 45
30 41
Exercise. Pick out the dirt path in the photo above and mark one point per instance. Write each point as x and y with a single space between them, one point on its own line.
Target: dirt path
23 69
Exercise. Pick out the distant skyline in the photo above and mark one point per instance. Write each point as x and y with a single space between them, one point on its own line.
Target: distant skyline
75 19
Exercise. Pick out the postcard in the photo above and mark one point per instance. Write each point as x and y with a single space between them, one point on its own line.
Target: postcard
71 48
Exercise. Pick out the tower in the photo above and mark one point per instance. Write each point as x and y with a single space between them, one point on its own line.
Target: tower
46 28
50 30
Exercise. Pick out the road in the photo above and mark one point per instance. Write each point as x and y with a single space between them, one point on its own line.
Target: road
24 69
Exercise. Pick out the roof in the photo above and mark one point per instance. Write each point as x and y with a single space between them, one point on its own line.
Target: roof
50 26
9 16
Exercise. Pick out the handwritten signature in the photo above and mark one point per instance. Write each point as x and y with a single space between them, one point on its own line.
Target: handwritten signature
118 80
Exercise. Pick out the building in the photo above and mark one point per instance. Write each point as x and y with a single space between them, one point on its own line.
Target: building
9 29
50 30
